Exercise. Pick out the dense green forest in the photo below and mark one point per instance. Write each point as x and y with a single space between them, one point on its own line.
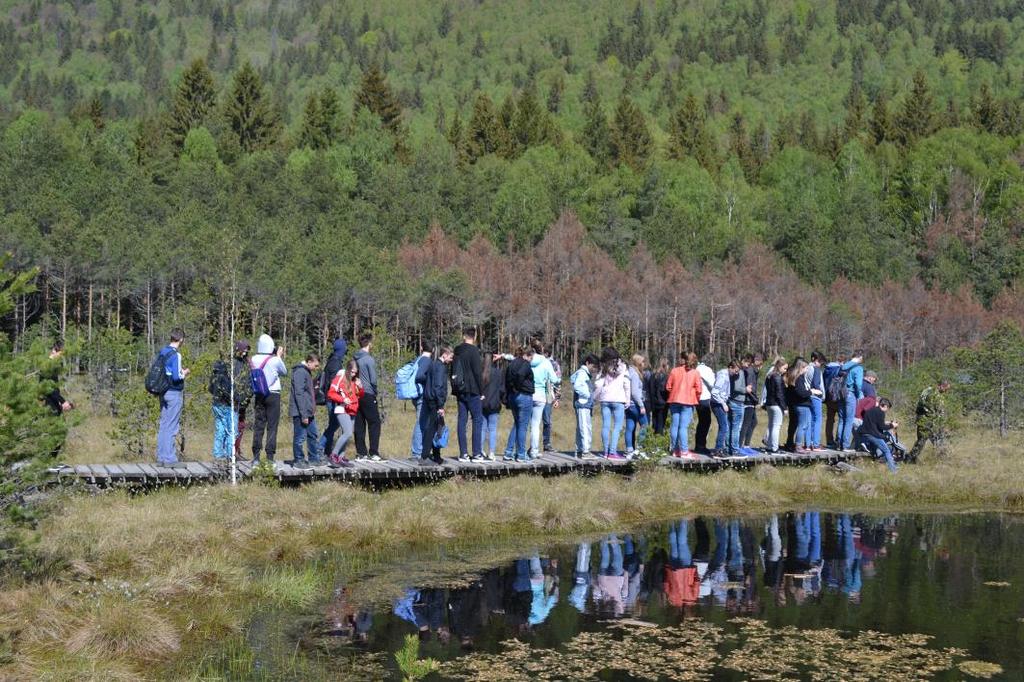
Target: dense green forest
722 175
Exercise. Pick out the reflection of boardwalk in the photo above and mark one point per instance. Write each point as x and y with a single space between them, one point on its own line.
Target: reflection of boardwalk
406 470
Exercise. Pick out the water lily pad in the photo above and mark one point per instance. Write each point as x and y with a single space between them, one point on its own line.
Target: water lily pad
981 669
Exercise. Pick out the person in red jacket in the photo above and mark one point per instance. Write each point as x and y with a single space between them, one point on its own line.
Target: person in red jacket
345 391
684 388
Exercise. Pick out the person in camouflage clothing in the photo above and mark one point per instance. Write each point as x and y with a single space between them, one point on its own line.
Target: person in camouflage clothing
932 420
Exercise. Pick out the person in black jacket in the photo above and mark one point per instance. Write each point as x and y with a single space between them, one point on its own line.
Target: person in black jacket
519 396
434 379
494 398
752 371
874 426
799 401
658 396
791 401
335 363
302 410
775 403
468 388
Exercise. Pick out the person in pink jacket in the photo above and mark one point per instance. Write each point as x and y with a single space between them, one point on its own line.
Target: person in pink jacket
612 391
684 389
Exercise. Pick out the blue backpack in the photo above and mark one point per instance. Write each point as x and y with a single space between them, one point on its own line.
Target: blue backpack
406 387
260 386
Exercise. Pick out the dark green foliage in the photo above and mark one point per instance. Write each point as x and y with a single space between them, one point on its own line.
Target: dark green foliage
597 137
917 118
194 101
249 114
631 141
376 96
690 135
991 378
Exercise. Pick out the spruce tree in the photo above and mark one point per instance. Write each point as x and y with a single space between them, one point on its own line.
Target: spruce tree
596 133
917 118
330 114
987 111
631 140
312 134
194 100
690 135
739 145
529 124
856 112
484 133
882 129
554 102
250 115
457 139
375 94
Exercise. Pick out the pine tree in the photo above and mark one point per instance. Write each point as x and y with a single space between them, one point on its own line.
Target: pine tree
590 93
596 133
917 118
96 113
739 145
478 47
312 133
529 124
194 100
249 114
882 128
690 135
809 132
375 94
554 102
444 24
457 139
856 112
987 112
483 135
330 114
213 52
631 141
760 147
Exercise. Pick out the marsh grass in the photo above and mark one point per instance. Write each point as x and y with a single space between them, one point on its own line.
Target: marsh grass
157 585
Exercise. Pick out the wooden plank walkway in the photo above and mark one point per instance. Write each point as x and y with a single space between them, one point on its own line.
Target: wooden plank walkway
548 464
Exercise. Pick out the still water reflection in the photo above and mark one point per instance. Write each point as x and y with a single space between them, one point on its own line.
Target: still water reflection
736 584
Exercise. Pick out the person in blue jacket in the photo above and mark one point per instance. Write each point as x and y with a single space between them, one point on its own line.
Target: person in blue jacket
854 368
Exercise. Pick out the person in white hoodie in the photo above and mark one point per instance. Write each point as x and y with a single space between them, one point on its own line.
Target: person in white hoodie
544 376
612 391
583 403
268 359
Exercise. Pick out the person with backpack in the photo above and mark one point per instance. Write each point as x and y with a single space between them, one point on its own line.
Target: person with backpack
707 380
406 388
636 411
468 388
775 404
684 387
335 364
582 381
434 380
172 398
612 391
225 419
267 368
344 393
242 377
302 410
494 397
831 406
658 396
852 376
545 381
817 399
368 416
519 387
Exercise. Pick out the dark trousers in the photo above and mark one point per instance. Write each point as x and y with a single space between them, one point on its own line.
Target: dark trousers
703 424
470 406
268 414
332 427
545 426
831 412
791 424
749 424
659 415
368 416
429 423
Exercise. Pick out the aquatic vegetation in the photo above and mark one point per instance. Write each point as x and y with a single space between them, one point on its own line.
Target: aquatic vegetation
409 662
694 650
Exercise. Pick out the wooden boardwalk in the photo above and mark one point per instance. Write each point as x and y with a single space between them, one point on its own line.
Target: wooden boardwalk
399 470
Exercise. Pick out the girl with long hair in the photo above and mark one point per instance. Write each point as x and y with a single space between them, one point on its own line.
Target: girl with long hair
775 403
612 390
344 392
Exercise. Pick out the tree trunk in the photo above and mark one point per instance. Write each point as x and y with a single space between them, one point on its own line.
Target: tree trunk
1003 426
64 305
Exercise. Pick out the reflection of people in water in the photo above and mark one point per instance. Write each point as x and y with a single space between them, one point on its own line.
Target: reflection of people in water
581 578
773 565
803 556
466 612
843 561
544 587
519 596
681 584
633 564
610 589
727 573
344 621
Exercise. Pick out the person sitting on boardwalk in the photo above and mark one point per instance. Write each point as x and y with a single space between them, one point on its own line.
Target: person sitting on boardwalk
302 410
872 429
172 401
344 393
931 420
435 394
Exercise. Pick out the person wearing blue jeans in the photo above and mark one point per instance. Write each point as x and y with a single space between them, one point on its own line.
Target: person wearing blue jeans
816 412
611 412
302 410
522 411
172 401
722 418
803 426
873 427
636 428
611 556
735 425
490 435
678 543
848 407
225 422
679 428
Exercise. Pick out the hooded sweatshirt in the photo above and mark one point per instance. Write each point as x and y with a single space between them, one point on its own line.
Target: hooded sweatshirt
367 371
614 387
543 373
274 369
854 378
336 361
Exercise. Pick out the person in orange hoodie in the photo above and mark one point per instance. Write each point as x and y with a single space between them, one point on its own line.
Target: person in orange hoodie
684 389
681 583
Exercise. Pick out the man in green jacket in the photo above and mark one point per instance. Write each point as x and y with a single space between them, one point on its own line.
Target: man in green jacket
932 420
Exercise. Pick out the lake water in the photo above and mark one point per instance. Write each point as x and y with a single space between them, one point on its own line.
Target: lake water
793 596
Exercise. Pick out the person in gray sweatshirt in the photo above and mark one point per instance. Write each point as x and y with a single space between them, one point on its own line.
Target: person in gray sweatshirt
302 410
368 416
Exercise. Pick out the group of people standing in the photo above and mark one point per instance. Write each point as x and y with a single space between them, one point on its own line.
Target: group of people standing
830 402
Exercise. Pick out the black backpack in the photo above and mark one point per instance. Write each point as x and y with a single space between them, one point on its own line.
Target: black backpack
458 380
157 382
320 386
836 390
220 383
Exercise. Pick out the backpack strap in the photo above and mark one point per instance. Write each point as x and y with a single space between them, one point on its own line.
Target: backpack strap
252 364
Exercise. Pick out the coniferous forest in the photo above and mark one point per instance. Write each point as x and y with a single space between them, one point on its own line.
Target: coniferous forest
724 176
